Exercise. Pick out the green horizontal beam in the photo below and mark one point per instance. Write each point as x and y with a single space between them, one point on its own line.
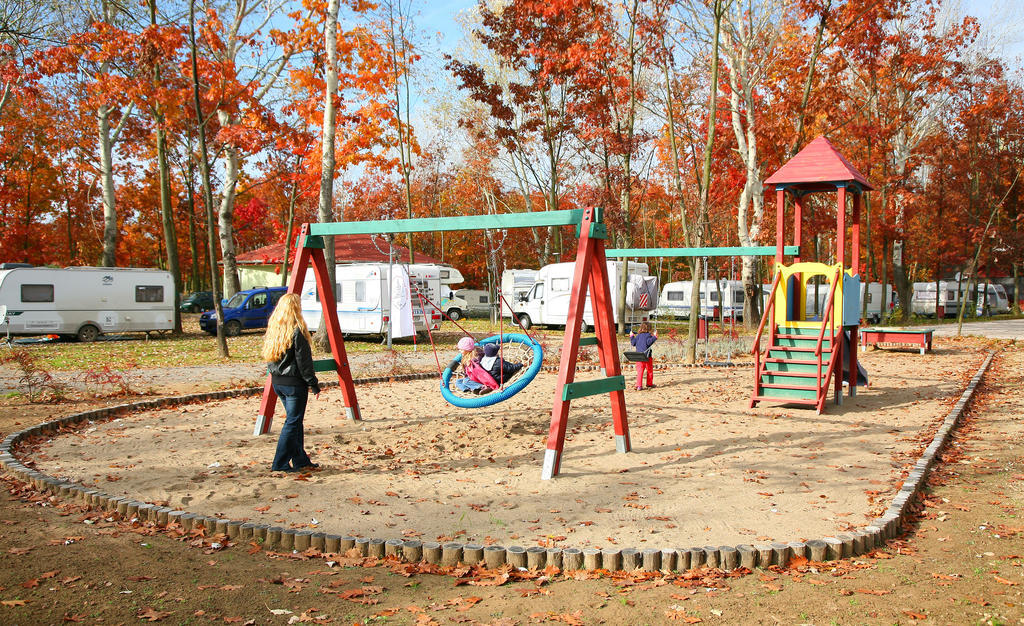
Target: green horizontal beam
588 341
701 252
462 222
586 388
324 365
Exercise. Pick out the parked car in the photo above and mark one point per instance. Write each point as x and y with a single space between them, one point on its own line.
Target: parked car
246 309
197 302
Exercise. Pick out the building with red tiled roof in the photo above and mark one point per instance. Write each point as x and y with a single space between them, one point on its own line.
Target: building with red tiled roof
263 266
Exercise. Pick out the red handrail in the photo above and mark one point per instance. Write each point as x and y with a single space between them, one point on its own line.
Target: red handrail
829 305
767 313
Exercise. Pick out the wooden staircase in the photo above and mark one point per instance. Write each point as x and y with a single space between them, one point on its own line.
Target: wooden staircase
800 359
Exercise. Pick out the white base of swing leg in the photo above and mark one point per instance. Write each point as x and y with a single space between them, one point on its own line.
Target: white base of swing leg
620 443
550 460
350 413
257 429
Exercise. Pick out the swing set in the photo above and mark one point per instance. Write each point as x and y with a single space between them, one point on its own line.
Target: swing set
590 274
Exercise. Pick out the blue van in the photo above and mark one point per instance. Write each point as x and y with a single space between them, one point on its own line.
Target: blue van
246 309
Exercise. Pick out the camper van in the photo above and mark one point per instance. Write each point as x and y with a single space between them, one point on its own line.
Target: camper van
86 302
514 284
467 302
547 302
871 292
923 300
675 298
365 304
997 301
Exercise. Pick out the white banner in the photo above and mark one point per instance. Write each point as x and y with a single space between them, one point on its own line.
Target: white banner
401 303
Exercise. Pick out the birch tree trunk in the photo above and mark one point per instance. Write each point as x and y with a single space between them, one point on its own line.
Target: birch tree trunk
742 33
226 213
325 208
107 185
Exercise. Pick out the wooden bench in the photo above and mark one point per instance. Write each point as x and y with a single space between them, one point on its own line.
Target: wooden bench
921 337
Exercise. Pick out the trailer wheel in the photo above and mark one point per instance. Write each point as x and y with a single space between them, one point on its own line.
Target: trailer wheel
454 314
232 328
524 321
88 333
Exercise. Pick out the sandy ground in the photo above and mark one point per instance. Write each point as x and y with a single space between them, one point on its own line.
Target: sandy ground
704 469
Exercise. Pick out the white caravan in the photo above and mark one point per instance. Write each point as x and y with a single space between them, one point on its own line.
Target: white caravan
85 302
675 298
467 302
547 302
514 284
365 305
923 300
997 300
871 292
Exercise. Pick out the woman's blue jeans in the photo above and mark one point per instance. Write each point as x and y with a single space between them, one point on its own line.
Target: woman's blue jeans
291 451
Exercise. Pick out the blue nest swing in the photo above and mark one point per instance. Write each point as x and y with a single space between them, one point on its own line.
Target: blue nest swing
526 349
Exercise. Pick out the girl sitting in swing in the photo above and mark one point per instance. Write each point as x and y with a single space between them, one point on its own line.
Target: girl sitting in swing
475 378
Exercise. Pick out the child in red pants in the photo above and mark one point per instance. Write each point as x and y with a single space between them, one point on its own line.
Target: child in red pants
642 342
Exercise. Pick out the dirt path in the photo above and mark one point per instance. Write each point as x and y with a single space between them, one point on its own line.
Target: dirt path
962 563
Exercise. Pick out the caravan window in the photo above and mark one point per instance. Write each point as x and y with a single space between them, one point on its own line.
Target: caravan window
538 291
559 284
737 296
149 293
37 293
360 290
316 292
445 274
674 296
483 300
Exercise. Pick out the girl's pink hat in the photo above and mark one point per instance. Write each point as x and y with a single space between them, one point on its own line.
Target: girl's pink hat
466 344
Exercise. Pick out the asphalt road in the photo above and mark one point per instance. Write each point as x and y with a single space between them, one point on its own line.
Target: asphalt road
996 329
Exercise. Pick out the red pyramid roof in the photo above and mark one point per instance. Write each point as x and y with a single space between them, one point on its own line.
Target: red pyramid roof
347 249
818 164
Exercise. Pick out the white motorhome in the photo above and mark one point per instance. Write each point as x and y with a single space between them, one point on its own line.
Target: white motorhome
366 305
86 302
924 298
675 298
468 302
514 284
547 302
872 293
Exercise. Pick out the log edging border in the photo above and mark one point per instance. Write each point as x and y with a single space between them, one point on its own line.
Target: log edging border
843 545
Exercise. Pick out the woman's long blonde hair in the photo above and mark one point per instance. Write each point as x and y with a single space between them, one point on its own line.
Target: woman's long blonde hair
287 316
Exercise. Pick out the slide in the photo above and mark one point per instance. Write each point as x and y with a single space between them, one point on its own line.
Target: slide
862 374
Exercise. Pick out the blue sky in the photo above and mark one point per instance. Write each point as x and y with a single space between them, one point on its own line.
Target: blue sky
1002 19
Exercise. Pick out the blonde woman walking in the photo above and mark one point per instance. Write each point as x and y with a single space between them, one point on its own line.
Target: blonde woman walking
290 363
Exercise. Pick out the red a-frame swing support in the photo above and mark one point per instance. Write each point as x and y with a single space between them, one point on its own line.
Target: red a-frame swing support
591 273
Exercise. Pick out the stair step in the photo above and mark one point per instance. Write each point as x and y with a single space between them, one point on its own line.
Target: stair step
794 365
791 391
795 330
799 342
796 378
810 401
797 354
794 369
